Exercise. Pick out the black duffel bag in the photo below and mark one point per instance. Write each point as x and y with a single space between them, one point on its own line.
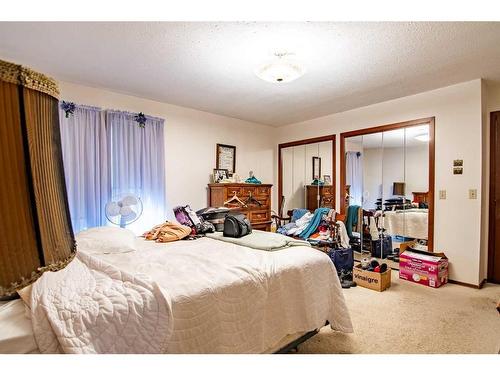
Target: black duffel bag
236 226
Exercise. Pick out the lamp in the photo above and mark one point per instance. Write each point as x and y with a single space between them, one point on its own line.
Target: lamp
35 229
281 69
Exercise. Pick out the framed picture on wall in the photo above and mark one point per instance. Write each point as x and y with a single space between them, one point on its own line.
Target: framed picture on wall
327 179
316 168
226 158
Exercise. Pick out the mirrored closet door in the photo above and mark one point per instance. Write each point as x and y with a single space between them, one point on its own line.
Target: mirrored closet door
306 176
387 179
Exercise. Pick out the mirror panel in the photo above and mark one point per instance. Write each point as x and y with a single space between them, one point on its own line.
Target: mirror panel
417 182
300 164
393 191
396 187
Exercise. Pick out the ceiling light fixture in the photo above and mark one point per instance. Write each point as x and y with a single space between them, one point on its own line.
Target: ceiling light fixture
281 69
422 137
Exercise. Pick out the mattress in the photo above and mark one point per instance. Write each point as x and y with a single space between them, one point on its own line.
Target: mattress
16 333
407 223
228 298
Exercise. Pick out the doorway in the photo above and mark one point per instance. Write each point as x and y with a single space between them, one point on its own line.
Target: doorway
494 209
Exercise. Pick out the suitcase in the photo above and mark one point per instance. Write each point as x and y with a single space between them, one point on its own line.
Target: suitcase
343 259
382 247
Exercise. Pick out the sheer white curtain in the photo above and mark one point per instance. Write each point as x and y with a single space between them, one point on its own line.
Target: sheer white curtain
354 176
86 165
138 164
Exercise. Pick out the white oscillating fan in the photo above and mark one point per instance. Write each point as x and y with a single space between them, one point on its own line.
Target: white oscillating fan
125 211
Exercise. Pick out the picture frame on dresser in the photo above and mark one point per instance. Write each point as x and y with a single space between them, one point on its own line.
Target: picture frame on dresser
219 175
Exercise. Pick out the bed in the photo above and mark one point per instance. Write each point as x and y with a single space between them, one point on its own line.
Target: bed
407 223
227 298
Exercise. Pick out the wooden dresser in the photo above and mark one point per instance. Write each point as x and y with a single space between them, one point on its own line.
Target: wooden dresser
259 215
326 196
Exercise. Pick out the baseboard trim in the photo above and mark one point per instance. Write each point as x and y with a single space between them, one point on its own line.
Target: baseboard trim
481 284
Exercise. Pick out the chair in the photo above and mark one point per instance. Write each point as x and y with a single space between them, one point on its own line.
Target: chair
279 219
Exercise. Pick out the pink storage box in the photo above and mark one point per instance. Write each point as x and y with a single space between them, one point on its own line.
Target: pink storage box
422 267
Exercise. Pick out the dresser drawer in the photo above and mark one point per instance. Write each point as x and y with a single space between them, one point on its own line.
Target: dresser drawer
327 190
263 190
259 216
246 191
265 227
230 191
327 201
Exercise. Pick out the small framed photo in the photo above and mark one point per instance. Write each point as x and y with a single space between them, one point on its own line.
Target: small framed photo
225 158
458 170
316 168
220 174
458 163
327 179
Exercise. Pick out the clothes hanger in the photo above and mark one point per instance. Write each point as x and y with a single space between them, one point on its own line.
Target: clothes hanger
235 198
251 198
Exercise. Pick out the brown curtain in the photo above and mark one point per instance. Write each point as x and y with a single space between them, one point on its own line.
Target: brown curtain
35 228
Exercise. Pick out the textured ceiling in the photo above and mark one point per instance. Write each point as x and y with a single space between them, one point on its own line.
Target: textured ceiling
210 66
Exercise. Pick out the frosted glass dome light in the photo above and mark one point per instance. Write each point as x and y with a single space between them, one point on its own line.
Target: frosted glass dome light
281 69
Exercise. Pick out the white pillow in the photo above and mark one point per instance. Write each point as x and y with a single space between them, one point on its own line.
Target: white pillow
106 240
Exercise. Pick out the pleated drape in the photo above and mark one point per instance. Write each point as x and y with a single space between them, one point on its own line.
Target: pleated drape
86 165
137 162
35 230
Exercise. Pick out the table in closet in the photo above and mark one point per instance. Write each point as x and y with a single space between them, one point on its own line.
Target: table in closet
257 199
326 197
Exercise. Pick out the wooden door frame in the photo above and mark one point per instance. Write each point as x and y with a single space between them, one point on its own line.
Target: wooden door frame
491 200
399 125
301 142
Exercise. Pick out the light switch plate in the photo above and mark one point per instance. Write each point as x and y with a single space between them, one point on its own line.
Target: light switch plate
442 194
472 193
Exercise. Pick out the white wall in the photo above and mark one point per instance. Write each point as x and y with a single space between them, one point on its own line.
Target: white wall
457 110
190 139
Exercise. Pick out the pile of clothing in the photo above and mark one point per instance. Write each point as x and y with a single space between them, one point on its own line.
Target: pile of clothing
167 232
307 225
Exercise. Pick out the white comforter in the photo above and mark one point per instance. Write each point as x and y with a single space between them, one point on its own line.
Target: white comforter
92 307
408 223
231 299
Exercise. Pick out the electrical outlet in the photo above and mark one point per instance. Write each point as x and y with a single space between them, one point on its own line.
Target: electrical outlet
472 193
442 194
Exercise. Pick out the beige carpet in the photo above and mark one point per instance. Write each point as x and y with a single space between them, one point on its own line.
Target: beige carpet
410 318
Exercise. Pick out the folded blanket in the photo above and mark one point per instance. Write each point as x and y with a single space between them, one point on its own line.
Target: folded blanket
261 240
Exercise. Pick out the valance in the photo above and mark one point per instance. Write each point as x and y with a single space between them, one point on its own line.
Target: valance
21 75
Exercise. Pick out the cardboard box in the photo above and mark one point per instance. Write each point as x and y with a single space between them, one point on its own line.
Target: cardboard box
422 267
371 280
